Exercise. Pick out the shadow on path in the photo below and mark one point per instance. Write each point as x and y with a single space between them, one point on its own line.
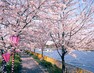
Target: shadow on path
29 65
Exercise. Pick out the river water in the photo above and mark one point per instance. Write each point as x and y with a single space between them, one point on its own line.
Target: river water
81 59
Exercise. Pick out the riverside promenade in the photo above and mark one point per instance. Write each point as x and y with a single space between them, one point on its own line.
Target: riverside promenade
29 65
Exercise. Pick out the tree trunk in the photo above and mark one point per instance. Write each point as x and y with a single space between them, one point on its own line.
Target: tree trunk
63 61
34 50
42 52
12 69
3 63
13 58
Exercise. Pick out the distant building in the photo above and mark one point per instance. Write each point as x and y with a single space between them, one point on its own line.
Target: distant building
50 44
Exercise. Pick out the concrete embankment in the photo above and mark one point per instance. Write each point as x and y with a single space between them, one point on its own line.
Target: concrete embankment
69 68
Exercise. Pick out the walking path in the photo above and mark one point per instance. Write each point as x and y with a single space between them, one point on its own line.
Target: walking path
29 65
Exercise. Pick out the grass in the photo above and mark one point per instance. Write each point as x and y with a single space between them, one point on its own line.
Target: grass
0 62
50 67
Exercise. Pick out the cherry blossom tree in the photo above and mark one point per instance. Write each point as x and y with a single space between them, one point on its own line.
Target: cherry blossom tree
68 23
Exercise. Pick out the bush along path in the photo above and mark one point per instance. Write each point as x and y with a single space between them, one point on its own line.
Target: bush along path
48 67
17 64
29 65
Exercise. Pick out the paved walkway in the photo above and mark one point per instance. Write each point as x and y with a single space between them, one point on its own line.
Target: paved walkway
29 65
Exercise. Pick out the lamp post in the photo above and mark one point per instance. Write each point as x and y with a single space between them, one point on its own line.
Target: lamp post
14 41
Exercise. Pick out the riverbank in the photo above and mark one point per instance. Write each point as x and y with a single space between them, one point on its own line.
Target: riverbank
49 67
69 68
82 59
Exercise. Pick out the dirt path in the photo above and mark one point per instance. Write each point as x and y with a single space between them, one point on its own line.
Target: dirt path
29 65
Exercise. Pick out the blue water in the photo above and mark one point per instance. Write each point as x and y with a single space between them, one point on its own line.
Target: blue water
84 59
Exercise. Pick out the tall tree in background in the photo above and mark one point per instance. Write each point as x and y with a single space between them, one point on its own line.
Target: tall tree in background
70 24
76 28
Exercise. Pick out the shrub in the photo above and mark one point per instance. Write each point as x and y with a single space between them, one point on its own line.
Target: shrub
0 62
17 64
30 54
45 64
